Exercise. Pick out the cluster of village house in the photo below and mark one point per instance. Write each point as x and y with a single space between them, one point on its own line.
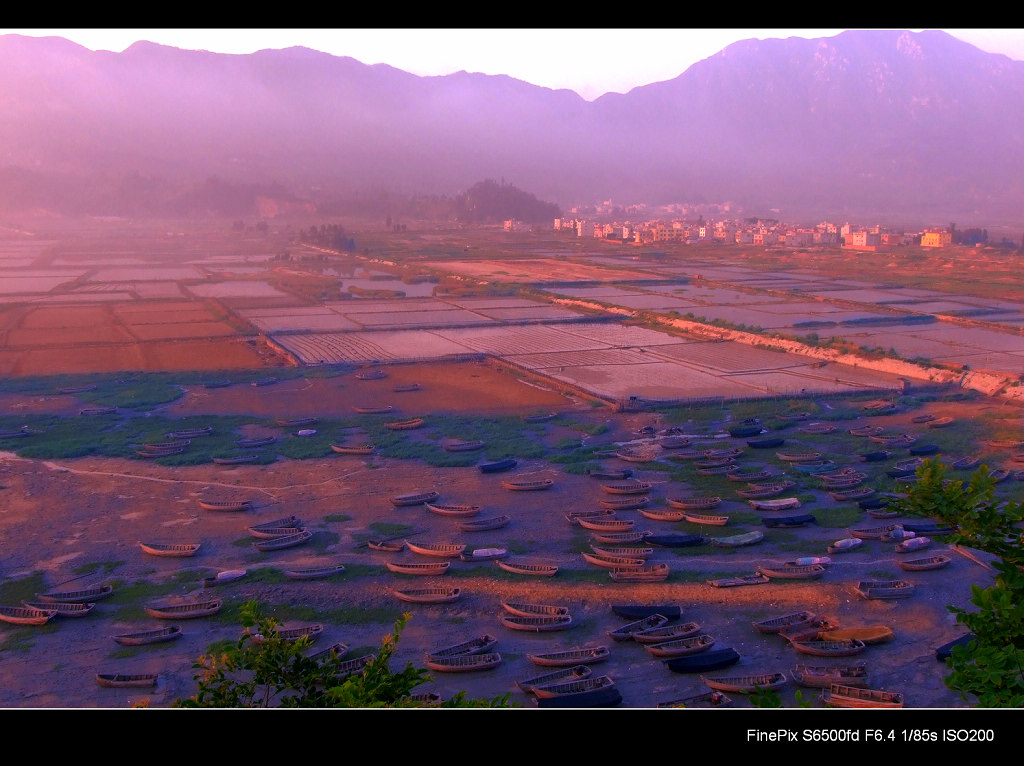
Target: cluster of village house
761 232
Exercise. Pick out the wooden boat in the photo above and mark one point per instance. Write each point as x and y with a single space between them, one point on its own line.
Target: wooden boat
479 645
226 505
881 513
575 673
624 473
761 491
182 550
830 648
966 463
845 545
746 684
631 552
735 541
937 561
373 409
625 632
773 625
674 442
158 453
999 474
528 485
429 595
788 522
497 466
734 582
885 589
718 470
625 504
702 503
123 680
823 676
940 422
779 504
190 433
866 430
268 529
76 596
874 533
818 428
386 546
433 568
141 638
310 632
787 572
481 525
874 457
533 570
371 375
361 449
640 456
681 647
664 633
869 634
570 657
483 554
454 511
627 488
24 615
439 550
925 449
463 446
406 387
222 578
674 540
351 667
844 696
653 573
465 663
238 460
253 443
634 612
798 457
769 442
90 411
285 541
536 623
705 519
607 525
61 608
852 494
563 688
749 476
745 430
715 659
314 573
405 425
913 544
185 611
296 422
415 498
523 609
594 698
710 699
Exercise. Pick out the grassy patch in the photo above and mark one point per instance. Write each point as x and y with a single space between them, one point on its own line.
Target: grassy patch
13 591
837 517
337 517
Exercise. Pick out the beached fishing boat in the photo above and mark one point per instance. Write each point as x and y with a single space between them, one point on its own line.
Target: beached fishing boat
61 608
937 561
24 615
439 550
428 595
681 647
463 446
746 684
415 498
353 666
696 503
406 387
634 552
625 632
574 687
285 541
371 375
670 539
426 570
621 538
999 475
238 460
664 633
314 573
966 463
464 663
454 511
607 525
570 657
845 696
818 428
625 503
527 485
652 573
769 442
482 644
674 442
773 625
524 609
536 623
253 443
601 697
720 470
705 519
823 676
76 596
575 673
619 475
226 505
749 476
859 493
627 488
184 611
885 589
869 634
940 422
190 433
778 504
373 409
158 453
172 550
532 570
881 513
925 449
497 466
799 457
787 572
710 699
866 430
913 544
763 491
91 411
735 541
222 578
296 422
360 449
638 455
405 425
310 632
814 466
734 582
830 648
144 637
481 525
268 529
715 659
744 430
125 680
874 533
789 522
386 546
845 545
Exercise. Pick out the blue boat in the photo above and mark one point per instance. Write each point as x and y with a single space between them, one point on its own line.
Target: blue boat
698 663
497 466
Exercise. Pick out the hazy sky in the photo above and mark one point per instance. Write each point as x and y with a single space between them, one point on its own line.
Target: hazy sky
589 61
